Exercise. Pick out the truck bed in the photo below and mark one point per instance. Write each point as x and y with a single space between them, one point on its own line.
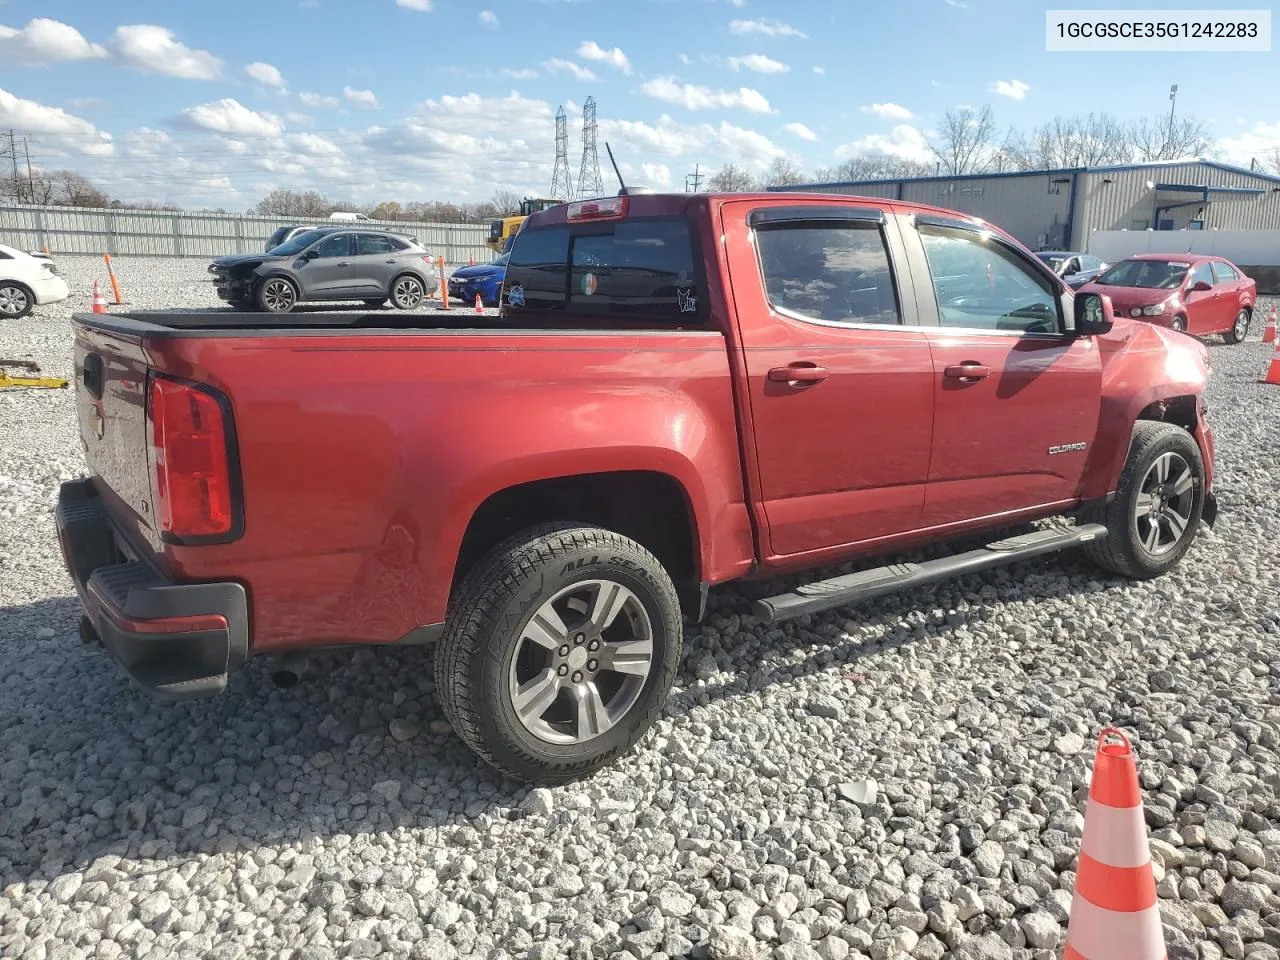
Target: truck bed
299 320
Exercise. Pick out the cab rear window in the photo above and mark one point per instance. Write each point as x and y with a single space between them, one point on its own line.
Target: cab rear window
641 270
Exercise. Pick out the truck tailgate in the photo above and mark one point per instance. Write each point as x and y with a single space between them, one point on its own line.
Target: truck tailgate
111 404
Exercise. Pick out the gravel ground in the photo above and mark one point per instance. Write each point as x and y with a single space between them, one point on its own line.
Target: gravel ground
905 780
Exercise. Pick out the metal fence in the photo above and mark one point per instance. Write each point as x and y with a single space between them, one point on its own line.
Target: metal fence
160 233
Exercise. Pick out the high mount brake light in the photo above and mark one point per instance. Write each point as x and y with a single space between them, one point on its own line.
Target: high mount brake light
612 208
191 468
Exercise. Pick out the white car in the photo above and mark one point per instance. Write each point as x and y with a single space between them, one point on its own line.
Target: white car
27 280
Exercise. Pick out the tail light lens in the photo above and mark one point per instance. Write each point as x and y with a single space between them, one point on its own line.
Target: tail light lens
190 462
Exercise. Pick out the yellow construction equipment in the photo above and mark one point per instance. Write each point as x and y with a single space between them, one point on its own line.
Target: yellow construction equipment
8 382
503 229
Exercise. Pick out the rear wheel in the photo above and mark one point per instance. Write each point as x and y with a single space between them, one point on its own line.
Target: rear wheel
1156 511
1240 329
276 295
15 300
559 651
407 292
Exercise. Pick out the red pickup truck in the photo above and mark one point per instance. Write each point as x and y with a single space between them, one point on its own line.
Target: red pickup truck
680 391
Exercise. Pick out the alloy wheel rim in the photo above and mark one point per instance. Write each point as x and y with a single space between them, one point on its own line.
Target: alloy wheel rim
408 293
278 295
1166 498
12 300
1242 325
581 662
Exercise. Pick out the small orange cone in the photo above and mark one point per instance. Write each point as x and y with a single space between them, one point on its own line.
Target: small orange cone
472 263
1113 912
99 301
1269 332
1273 371
479 304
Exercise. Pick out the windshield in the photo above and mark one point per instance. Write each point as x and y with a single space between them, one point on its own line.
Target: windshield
297 244
1151 274
500 261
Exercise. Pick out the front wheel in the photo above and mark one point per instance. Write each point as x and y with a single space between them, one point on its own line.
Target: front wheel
15 301
1179 323
1156 511
559 651
1240 328
276 295
407 292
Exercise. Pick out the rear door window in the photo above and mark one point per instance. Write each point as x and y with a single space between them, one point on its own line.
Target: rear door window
368 244
1223 272
640 270
835 274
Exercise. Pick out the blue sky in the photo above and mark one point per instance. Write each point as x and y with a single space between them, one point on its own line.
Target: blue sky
215 103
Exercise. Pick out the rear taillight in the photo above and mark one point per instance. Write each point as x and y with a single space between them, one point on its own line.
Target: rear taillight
190 462
613 208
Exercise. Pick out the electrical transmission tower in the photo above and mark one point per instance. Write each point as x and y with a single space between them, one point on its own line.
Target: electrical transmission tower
590 183
561 182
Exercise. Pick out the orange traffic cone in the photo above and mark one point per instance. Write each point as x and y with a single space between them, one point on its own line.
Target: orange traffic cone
1269 332
472 263
1273 371
1113 913
99 301
479 304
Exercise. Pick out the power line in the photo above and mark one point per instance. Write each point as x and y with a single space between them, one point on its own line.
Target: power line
590 182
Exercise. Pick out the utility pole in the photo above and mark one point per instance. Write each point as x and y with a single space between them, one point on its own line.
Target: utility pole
31 183
13 155
693 181
1173 104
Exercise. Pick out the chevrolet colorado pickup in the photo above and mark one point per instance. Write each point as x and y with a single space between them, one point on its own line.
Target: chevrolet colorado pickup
680 391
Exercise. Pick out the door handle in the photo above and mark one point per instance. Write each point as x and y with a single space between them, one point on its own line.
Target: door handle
796 373
388 261
344 263
969 372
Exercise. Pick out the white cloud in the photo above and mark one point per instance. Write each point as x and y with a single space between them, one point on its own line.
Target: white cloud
64 130
422 6
656 175
710 144
490 19
692 97
685 59
590 50
314 144
890 111
43 40
527 74
267 75
156 50
579 72
318 100
1014 89
758 63
233 117
801 131
820 71
903 141
766 27
145 142
364 98
1258 142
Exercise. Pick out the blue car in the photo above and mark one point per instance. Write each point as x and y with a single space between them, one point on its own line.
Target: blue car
484 279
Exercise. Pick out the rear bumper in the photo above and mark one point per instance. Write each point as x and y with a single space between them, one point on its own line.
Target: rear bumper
51 289
177 641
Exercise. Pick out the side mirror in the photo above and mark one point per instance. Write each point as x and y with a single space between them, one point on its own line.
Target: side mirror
311 255
1200 287
1094 314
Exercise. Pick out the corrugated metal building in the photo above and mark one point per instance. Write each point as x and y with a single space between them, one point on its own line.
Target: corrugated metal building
1058 209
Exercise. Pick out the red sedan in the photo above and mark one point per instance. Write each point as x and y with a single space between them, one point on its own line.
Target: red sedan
1195 294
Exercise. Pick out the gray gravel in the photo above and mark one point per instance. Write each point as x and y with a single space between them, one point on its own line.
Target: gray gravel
905 780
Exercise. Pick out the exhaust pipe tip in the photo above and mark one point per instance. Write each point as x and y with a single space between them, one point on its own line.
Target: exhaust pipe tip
289 670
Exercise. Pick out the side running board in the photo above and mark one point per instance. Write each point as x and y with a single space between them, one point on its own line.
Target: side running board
867 584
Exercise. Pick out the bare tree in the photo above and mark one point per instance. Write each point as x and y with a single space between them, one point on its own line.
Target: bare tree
506 203
73 190
1155 138
1273 161
387 210
287 203
963 144
783 172
873 165
732 179
1080 142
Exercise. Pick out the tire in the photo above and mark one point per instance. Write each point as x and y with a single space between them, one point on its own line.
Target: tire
407 291
276 295
1127 549
1179 323
1240 328
578 714
375 304
16 301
